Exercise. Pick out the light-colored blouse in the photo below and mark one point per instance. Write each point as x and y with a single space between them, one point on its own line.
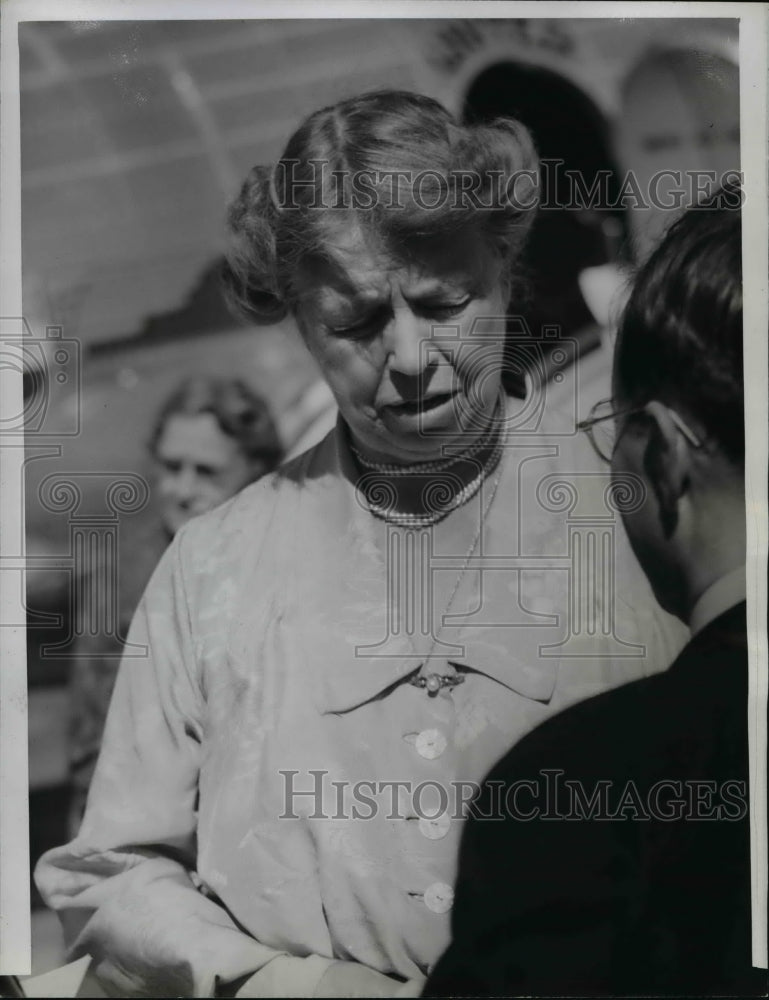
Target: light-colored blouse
270 792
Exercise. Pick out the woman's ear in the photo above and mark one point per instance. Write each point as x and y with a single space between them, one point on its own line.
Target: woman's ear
666 463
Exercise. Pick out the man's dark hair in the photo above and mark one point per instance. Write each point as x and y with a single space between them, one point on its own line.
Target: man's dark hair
680 337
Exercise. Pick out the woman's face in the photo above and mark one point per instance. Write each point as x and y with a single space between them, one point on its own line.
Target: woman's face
412 351
198 467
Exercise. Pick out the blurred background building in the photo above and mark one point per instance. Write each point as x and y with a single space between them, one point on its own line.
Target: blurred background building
134 136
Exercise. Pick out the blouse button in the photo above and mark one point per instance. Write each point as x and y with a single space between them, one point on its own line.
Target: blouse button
439 897
430 743
436 827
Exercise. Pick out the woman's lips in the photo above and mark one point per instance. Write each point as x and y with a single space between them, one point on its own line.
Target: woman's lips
420 413
422 405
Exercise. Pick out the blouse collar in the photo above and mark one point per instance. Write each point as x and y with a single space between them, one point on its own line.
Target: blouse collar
374 666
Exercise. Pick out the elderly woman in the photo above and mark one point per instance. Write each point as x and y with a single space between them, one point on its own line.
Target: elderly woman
337 655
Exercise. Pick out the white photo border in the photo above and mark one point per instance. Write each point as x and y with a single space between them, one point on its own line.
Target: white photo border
15 949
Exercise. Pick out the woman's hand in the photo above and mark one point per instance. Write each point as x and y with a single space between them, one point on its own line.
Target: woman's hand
350 979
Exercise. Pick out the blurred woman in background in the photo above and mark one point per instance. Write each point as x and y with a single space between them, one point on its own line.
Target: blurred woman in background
212 437
332 629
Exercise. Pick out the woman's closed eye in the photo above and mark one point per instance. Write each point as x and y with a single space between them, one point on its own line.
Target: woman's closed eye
362 326
444 309
371 323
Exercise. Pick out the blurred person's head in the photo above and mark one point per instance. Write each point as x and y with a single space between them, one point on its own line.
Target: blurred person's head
362 232
678 133
678 393
212 437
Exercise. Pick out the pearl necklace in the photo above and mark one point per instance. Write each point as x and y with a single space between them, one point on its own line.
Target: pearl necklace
386 511
404 519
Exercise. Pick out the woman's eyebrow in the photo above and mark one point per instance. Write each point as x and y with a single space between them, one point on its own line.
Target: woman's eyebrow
431 288
352 296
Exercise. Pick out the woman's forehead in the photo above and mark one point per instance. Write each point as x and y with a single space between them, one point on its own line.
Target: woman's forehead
354 268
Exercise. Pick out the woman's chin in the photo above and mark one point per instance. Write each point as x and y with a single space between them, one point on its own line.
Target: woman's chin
416 447
174 519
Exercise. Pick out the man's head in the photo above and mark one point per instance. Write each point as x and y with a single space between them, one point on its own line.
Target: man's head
671 152
678 393
212 438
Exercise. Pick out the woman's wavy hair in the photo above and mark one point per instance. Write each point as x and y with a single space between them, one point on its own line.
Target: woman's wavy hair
239 412
394 164
680 336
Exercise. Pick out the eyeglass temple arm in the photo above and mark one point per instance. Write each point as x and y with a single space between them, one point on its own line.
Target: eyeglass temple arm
687 432
584 425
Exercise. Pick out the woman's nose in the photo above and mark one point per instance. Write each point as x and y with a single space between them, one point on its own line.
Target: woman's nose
184 484
407 339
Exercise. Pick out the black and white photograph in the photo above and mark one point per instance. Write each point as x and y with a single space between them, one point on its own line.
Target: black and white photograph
383 455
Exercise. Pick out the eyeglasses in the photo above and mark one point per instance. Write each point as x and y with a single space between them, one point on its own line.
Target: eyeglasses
603 432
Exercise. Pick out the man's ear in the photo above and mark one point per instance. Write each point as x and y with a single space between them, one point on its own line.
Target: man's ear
505 276
666 463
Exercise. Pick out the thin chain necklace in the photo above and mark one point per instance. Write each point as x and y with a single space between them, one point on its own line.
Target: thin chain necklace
434 682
